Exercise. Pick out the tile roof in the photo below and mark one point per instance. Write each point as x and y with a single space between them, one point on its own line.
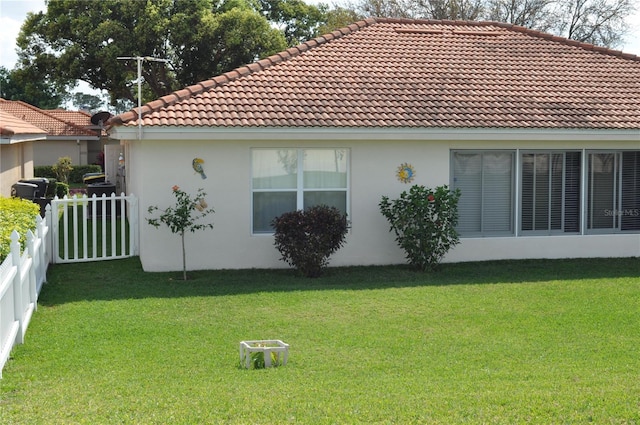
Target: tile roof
14 126
53 122
382 73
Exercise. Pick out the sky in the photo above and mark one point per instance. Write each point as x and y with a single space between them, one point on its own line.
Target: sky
14 12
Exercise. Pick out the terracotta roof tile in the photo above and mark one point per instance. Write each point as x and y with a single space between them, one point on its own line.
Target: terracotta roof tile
417 74
13 126
55 122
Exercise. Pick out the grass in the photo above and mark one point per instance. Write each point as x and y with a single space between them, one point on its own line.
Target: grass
498 342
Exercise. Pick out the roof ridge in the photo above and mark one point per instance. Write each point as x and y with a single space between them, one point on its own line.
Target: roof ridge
564 40
518 28
206 85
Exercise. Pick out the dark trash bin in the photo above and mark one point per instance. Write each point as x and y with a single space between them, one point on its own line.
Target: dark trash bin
41 182
24 190
99 189
92 178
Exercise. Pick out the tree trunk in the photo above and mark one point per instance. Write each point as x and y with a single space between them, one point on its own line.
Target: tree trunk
184 258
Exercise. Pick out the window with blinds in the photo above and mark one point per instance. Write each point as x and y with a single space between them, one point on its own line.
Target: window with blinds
550 192
559 192
485 180
613 191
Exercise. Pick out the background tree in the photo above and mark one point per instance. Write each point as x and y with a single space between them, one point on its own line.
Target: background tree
337 17
80 40
28 86
86 101
526 13
600 22
297 20
465 10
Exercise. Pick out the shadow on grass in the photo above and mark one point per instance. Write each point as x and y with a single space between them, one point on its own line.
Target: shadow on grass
125 279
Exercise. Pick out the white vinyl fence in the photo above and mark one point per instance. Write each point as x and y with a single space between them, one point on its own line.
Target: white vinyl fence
21 278
94 229
74 230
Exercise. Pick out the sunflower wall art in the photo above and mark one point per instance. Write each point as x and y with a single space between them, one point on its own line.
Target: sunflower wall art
406 173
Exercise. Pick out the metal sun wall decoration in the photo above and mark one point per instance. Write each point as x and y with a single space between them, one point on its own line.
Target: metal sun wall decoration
197 166
406 173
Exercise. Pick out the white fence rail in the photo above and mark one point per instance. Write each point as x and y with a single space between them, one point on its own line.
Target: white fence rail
94 229
21 278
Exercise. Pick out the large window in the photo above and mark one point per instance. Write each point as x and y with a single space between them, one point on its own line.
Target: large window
613 191
558 192
485 180
550 194
293 179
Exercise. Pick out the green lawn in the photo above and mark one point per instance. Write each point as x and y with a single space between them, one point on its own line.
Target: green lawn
500 343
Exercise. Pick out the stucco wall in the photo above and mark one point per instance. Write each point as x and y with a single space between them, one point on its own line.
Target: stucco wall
154 166
16 162
48 152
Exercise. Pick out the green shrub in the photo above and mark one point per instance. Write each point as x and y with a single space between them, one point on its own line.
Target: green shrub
15 214
306 239
62 169
44 171
424 222
61 189
75 175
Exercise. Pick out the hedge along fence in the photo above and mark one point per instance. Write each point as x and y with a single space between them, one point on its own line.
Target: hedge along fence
22 274
19 215
74 177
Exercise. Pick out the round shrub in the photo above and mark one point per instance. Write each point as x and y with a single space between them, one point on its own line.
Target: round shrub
306 239
424 222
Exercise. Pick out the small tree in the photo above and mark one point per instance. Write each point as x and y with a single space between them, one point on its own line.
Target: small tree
183 217
306 239
62 169
424 222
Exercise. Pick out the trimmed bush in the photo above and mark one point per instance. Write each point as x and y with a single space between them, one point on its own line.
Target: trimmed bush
306 239
44 171
15 214
424 222
75 176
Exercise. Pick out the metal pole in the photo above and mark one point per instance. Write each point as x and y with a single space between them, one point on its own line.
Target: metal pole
139 60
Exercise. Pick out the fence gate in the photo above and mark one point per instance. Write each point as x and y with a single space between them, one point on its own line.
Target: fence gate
93 229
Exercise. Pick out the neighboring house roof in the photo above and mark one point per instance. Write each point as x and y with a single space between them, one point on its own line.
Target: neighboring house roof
56 124
14 130
382 73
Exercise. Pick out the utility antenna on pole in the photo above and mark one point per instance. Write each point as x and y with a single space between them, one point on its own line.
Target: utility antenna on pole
139 60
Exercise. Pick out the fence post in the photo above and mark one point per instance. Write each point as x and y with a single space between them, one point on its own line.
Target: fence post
134 232
18 309
42 233
33 292
51 213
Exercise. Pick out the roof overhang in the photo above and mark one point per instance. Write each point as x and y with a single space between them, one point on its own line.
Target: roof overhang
20 138
335 133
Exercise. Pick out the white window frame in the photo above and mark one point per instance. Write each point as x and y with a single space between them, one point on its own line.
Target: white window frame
300 190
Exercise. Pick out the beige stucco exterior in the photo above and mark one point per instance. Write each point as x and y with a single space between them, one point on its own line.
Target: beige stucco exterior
154 165
81 151
16 162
